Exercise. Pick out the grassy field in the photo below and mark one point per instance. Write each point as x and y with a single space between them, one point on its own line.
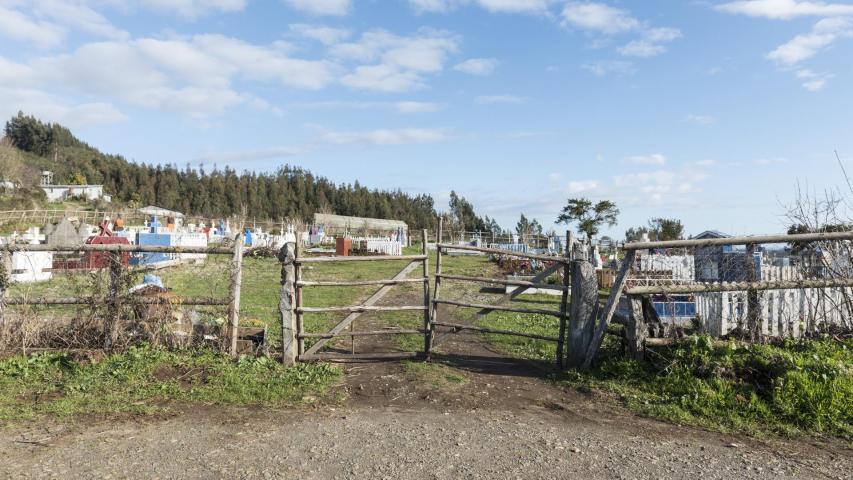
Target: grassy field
148 380
802 386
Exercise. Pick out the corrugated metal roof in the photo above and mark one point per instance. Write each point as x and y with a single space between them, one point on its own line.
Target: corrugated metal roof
160 212
354 223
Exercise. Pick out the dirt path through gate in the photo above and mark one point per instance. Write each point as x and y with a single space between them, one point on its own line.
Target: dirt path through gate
470 413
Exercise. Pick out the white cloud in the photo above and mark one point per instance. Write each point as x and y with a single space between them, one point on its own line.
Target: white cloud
706 163
50 108
641 48
416 107
477 66
652 159
770 161
385 137
599 17
785 9
607 67
583 186
193 8
193 76
383 78
650 45
398 63
495 99
80 17
496 6
804 46
323 34
813 82
321 7
700 119
19 27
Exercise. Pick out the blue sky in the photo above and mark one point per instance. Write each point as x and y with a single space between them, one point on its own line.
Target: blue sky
711 112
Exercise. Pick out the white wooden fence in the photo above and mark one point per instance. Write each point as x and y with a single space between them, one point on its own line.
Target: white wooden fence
785 313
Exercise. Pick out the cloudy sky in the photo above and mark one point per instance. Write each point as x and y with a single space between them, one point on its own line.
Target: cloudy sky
709 111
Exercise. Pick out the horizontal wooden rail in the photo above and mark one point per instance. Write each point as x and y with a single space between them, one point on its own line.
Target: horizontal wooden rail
362 333
739 286
126 300
518 283
360 356
499 307
752 240
457 326
306 283
498 251
361 308
374 258
117 247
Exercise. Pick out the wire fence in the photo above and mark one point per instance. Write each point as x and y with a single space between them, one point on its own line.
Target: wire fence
112 295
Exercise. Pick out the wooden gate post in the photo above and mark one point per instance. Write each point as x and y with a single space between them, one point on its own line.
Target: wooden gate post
113 300
427 300
753 298
287 304
434 306
635 330
5 278
583 309
236 282
297 275
564 304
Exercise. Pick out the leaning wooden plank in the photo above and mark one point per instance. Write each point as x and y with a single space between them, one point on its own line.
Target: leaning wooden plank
359 283
610 307
361 308
497 251
359 356
375 258
554 313
370 301
457 326
497 281
363 333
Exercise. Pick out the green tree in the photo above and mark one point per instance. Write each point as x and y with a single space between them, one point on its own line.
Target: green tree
658 229
464 215
587 216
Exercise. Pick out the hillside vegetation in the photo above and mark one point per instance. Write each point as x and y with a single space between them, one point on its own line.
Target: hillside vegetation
31 145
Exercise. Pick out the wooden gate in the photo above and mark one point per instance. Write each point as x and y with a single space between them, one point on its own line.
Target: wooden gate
538 282
369 305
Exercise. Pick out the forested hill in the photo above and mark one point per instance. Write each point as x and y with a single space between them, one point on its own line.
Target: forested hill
290 192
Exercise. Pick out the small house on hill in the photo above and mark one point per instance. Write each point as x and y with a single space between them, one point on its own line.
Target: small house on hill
58 193
723 263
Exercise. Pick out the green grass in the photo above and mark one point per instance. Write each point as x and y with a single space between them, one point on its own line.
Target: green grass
148 380
798 387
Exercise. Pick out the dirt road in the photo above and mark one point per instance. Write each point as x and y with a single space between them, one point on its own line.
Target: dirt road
476 415
502 421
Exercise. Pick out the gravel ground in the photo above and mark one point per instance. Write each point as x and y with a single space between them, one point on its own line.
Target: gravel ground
374 443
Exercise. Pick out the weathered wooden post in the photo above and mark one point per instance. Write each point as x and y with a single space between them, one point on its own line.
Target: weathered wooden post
297 275
427 300
113 301
583 309
564 303
287 304
610 307
434 306
236 282
753 298
4 283
635 330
